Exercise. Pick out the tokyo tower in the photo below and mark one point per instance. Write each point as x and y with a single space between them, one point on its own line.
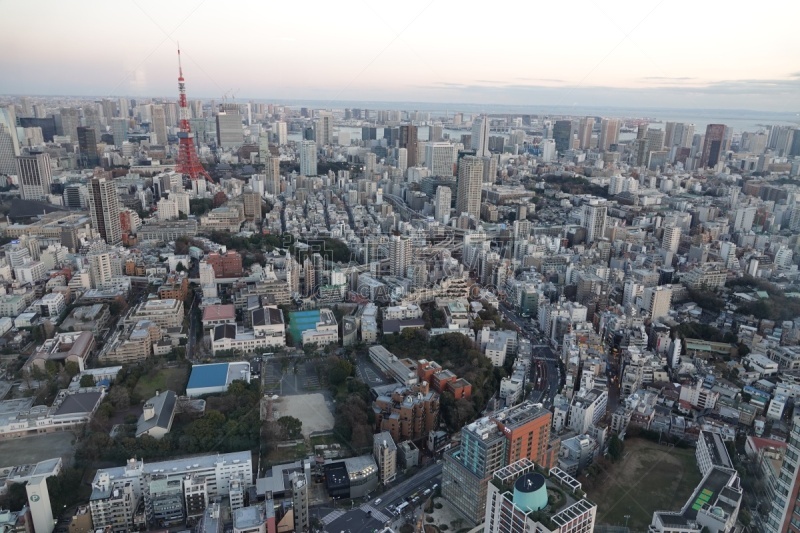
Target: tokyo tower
188 163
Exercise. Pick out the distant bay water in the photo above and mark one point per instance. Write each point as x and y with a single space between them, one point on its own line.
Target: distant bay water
739 120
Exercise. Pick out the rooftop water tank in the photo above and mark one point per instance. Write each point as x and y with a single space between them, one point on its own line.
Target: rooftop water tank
530 492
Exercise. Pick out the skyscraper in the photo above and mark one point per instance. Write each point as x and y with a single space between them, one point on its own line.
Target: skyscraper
159 126
408 140
562 135
712 145
104 209
273 170
280 133
671 239
585 132
323 128
87 146
470 179
786 487
480 136
399 255
594 219
229 127
9 143
123 108
442 202
34 175
439 158
308 158
609 133
402 160
70 120
119 129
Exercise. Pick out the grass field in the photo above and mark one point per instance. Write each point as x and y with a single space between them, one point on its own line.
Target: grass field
160 380
650 477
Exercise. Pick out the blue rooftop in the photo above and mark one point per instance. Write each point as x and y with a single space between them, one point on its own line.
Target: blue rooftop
213 375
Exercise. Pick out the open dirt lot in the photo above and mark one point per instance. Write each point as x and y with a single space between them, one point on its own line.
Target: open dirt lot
650 477
311 409
37 448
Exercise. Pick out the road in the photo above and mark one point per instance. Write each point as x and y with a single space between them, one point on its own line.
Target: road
191 342
370 516
544 361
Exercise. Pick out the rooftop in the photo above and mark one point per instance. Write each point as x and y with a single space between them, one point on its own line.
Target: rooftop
249 517
219 312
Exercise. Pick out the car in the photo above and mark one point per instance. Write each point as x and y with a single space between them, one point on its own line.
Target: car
377 501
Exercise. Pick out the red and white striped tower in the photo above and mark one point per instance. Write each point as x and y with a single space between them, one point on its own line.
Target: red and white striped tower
188 163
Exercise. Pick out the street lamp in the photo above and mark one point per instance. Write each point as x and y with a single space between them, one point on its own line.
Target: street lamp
626 520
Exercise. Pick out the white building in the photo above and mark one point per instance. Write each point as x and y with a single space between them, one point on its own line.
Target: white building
325 332
308 158
384 450
587 410
439 158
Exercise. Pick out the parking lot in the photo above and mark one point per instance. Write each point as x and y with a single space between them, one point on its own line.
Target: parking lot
291 375
369 373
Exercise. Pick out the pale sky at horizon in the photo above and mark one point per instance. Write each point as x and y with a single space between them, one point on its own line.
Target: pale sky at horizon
649 53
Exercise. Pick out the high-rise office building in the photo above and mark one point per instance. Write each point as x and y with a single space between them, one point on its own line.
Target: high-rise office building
562 135
656 301
123 108
470 180
402 160
439 158
435 132
47 125
308 158
785 491
119 129
93 117
229 127
712 145
655 140
34 175
671 238
408 140
442 201
585 132
9 142
273 171
87 146
609 133
323 128
480 136
400 255
70 120
104 209
489 444
594 219
281 135
159 124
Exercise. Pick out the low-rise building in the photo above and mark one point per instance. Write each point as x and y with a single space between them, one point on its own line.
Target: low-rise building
216 377
385 452
325 332
166 313
63 349
157 415
214 315
230 338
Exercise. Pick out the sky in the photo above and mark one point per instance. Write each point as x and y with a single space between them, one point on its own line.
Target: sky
643 53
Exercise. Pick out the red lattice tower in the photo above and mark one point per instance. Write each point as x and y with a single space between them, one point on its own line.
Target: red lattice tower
188 163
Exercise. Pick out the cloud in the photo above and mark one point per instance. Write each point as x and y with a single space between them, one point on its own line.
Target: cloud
549 80
668 78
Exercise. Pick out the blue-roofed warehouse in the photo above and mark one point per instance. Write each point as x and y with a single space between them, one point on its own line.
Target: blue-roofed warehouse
216 377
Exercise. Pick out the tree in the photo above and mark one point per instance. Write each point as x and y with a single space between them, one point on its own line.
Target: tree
119 397
291 427
87 380
616 448
72 369
15 498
